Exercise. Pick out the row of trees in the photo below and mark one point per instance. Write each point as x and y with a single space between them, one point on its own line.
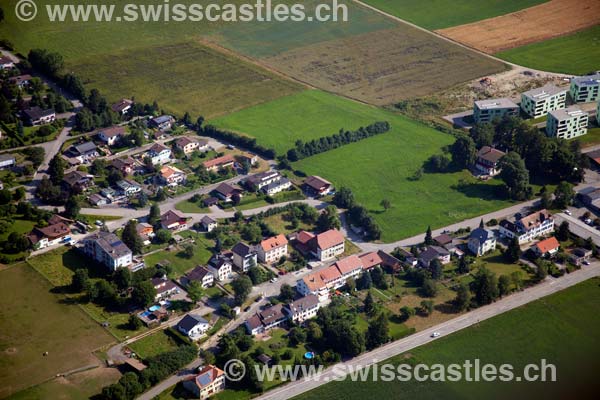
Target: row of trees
235 139
326 143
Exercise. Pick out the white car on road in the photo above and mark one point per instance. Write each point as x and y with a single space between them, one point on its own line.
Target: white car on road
435 334
567 212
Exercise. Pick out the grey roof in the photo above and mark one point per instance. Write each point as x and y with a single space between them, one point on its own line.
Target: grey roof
490 104
110 243
587 80
85 147
198 273
303 303
567 113
262 176
206 220
162 119
276 184
190 321
35 113
432 252
543 92
7 157
482 235
242 249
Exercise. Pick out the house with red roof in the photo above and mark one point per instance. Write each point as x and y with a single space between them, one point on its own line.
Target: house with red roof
209 381
349 267
547 247
323 246
272 249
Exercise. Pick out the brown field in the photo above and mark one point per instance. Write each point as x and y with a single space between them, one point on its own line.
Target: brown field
385 66
545 21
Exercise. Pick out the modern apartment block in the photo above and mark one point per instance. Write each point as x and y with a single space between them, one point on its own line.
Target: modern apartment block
539 102
585 88
567 123
491 109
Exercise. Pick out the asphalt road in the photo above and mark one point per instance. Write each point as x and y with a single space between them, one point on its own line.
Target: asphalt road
546 288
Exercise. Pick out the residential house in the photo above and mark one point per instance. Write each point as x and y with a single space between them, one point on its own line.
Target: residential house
201 275
218 163
208 223
443 239
209 381
431 253
189 145
585 89
272 249
6 63
57 230
112 135
302 309
128 188
36 116
350 267
323 246
193 326
320 283
162 123
124 165
539 102
159 154
84 152
174 221
266 319
96 199
77 181
172 176
145 231
371 260
257 181
580 256
277 186
107 249
567 123
492 109
244 256
317 186
481 241
488 160
527 228
227 192
7 161
210 201
21 81
164 288
122 107
221 267
247 158
111 194
547 247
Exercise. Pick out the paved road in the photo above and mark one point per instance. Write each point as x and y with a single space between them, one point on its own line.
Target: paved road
546 288
579 228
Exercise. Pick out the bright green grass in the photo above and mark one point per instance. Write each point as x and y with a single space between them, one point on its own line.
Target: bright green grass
578 53
20 226
35 320
592 137
560 328
439 14
307 115
152 345
177 259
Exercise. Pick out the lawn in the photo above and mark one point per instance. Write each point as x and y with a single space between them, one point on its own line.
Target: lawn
35 320
591 138
159 342
177 259
545 329
187 206
439 14
572 54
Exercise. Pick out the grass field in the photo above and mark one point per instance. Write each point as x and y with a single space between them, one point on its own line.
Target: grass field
152 345
375 168
34 320
177 259
560 328
184 76
438 14
591 138
573 54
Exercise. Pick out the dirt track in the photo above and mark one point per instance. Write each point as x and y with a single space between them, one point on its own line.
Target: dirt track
534 24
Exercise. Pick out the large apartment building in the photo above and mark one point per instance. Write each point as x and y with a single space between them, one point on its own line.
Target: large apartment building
585 88
539 102
491 109
107 249
527 228
567 123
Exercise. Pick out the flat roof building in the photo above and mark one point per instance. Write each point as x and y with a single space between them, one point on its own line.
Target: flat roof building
490 109
585 88
540 101
567 123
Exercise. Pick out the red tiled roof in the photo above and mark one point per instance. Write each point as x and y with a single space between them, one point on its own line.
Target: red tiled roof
304 237
349 264
547 245
226 159
330 274
328 239
369 260
274 242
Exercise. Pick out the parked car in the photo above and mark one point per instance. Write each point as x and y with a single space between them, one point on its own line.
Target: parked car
567 212
435 334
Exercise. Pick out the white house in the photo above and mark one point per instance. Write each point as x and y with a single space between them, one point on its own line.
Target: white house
208 223
111 135
193 326
7 161
201 275
107 249
302 309
172 176
221 266
210 380
481 241
128 188
159 154
122 106
244 256
272 249
277 186
540 101
546 247
527 228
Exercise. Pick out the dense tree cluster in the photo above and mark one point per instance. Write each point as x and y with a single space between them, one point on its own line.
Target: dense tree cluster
358 215
246 142
326 143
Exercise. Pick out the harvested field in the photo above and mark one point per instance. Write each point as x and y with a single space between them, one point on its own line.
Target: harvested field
385 66
534 24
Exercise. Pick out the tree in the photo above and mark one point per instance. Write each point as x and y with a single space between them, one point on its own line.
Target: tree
134 323
485 286
143 294
328 219
463 152
515 176
365 281
386 204
132 238
123 278
563 195
72 207
406 312
513 250
344 198
242 286
483 134
541 271
428 237
503 285
426 307
188 250
195 291
463 297
436 269
80 280
463 265
56 169
546 200
562 233
378 332
517 279
163 236
251 233
286 293
296 336
428 288
369 304
154 216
